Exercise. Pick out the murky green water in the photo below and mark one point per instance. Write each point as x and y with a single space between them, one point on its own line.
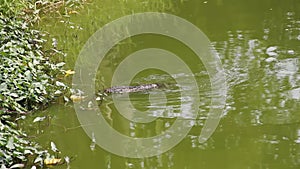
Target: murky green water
259 45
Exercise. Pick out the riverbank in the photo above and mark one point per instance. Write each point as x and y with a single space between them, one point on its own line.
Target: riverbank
31 76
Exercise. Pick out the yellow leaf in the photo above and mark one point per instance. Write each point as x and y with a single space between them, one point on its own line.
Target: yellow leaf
52 161
69 72
76 98
73 12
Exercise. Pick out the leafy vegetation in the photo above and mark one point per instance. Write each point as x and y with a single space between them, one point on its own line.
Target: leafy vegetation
15 148
33 10
28 78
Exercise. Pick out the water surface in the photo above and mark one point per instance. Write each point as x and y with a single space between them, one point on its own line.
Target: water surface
259 45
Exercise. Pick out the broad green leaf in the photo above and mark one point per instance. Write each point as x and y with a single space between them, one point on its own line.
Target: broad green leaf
10 143
58 83
58 92
60 64
38 159
14 94
17 166
3 86
28 75
28 152
3 166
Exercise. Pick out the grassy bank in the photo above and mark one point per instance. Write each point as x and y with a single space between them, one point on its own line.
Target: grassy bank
29 79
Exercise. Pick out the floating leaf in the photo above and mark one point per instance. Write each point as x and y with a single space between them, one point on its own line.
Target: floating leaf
69 72
76 98
53 147
67 160
52 161
73 12
39 119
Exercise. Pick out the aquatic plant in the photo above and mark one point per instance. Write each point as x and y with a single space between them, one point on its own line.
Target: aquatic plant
15 149
33 10
28 79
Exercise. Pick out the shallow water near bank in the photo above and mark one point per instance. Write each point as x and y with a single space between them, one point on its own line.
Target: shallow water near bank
259 46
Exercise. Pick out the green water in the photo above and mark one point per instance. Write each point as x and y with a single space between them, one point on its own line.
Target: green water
260 127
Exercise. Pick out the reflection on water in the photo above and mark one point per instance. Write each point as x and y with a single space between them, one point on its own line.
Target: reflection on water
259 44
